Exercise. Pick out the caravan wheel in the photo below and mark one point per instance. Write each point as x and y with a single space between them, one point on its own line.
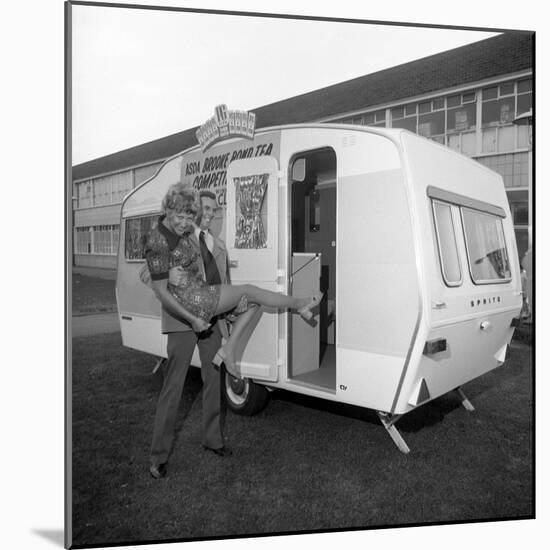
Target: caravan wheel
244 396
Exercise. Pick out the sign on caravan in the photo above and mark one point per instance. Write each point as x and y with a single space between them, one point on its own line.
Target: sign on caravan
204 171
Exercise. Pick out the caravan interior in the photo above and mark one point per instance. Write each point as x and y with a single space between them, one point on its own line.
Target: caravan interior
313 195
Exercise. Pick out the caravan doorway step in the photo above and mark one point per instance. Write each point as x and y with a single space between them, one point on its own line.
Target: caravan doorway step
325 375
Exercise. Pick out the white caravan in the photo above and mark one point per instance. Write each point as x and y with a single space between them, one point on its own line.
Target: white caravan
411 243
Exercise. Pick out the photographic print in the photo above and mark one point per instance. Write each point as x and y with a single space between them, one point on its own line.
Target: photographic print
301 274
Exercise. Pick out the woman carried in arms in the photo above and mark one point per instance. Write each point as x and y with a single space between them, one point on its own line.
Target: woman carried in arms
168 246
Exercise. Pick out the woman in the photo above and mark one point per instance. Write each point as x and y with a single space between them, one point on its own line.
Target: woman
168 246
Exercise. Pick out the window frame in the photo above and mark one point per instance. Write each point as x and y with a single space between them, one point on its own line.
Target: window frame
126 220
450 284
88 242
497 218
108 245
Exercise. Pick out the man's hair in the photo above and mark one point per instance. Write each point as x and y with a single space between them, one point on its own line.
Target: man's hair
180 198
208 194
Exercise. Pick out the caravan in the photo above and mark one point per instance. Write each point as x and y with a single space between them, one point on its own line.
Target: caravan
411 243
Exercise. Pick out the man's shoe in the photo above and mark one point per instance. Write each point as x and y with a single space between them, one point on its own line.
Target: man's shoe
158 472
222 451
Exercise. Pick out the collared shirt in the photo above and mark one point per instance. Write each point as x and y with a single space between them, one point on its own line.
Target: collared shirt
164 249
208 238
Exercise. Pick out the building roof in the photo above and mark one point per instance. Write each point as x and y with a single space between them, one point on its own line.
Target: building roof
506 53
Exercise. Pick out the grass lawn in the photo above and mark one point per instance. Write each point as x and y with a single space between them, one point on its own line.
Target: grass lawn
302 464
92 295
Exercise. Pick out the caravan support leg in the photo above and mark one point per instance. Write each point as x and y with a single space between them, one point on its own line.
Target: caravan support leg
388 420
465 401
158 364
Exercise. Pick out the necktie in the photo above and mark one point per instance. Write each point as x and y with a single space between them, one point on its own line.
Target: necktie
210 267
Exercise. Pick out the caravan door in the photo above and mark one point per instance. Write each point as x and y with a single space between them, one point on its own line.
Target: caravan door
252 243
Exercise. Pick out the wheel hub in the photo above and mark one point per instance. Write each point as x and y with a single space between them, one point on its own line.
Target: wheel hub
237 385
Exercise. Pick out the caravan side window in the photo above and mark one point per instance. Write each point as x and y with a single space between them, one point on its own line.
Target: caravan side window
486 247
446 242
135 230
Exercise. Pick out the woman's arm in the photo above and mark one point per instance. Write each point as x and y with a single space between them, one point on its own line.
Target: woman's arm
160 288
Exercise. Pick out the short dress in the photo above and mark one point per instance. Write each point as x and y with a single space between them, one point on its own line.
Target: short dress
164 250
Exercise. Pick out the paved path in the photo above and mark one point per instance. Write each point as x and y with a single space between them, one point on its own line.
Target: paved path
87 325
99 272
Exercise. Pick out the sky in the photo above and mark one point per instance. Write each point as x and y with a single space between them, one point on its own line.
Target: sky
138 75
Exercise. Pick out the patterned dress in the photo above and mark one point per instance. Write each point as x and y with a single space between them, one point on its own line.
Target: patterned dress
164 250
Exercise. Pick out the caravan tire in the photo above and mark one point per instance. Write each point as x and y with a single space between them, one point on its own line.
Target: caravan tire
244 396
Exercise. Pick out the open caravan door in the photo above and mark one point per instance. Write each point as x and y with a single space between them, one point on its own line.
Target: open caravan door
252 243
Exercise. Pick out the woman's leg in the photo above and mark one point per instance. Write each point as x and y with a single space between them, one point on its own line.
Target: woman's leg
231 294
241 330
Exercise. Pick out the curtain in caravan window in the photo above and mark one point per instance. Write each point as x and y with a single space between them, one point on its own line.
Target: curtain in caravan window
446 241
135 231
487 254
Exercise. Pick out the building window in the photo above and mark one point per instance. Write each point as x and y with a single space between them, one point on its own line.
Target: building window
522 241
136 230
486 247
425 107
380 118
432 124
518 200
427 118
525 96
100 239
464 142
468 143
83 194
105 239
446 243
104 191
498 111
83 241
408 123
368 119
118 185
143 173
404 117
513 167
520 212
461 118
500 105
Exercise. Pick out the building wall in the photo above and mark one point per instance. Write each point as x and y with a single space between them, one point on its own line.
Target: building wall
97 203
102 215
476 120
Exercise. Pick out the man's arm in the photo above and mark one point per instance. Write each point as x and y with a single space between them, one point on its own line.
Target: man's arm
160 288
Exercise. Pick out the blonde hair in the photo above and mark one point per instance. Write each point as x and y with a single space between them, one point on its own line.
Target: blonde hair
181 198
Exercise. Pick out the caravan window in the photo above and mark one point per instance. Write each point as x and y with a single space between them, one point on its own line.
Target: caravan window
486 247
446 242
136 229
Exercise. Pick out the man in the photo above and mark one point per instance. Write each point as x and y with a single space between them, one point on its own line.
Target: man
527 264
181 344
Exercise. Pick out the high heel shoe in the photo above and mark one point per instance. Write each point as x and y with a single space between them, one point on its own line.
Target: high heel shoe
221 357
305 312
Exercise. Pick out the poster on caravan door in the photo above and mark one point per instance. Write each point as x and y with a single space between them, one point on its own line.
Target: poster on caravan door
208 170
